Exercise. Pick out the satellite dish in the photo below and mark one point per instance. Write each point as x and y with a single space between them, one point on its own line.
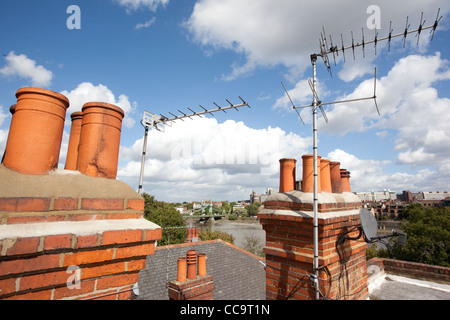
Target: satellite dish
368 224
368 229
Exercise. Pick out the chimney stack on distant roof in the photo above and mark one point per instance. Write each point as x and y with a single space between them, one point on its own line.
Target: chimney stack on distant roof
190 284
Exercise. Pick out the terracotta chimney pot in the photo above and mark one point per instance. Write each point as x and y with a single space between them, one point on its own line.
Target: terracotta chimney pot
325 179
191 258
308 174
195 233
189 235
74 141
181 273
36 131
202 265
335 173
287 175
98 153
345 181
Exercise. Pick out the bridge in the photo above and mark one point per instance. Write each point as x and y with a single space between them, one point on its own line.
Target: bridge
205 217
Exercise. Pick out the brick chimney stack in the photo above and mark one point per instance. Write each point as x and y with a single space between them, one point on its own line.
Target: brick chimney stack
191 284
63 234
288 220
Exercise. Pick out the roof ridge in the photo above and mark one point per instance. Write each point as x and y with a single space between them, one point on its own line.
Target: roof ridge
188 244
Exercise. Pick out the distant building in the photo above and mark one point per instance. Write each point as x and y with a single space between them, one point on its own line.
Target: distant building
261 197
377 196
256 197
435 195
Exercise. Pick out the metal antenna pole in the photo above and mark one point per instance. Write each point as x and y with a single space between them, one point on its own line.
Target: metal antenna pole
324 52
315 190
160 122
144 152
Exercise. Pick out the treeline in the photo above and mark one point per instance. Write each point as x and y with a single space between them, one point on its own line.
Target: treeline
428 237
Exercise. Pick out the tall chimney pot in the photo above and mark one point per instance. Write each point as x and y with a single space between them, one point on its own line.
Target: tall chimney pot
98 154
325 179
36 131
345 181
335 173
308 174
287 174
74 141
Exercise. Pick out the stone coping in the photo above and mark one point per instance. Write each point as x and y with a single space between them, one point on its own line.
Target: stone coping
79 228
63 184
292 215
322 197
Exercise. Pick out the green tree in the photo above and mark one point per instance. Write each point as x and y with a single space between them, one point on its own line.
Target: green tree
428 236
252 244
167 217
206 235
227 207
252 209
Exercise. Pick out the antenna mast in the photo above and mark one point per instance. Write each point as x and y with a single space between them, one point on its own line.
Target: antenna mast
159 123
334 50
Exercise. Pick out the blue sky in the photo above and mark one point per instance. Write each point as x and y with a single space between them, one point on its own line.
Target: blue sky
165 55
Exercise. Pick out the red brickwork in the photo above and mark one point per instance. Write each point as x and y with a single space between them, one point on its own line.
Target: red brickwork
109 261
290 252
198 289
31 210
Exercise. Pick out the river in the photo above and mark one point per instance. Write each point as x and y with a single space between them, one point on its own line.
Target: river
238 229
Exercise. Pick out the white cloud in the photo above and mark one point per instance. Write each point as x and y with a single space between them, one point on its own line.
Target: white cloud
270 33
409 105
368 175
23 67
3 133
145 24
87 92
210 159
133 5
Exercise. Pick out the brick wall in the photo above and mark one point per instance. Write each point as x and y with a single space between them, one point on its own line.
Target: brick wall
288 222
412 269
72 246
198 289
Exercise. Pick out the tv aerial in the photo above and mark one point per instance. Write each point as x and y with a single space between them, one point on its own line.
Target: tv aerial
333 50
160 122
368 230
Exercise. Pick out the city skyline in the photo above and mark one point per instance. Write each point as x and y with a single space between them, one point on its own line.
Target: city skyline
163 56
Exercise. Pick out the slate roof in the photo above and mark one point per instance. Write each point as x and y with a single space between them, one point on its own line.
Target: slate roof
237 274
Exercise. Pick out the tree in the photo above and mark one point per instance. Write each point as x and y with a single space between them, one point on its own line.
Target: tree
206 235
252 209
428 236
168 218
227 207
253 245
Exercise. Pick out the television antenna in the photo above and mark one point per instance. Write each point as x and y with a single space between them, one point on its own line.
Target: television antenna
325 52
159 122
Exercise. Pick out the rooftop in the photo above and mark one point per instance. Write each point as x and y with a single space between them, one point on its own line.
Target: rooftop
237 274
401 280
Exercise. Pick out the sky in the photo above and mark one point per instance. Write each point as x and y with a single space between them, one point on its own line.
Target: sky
162 56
